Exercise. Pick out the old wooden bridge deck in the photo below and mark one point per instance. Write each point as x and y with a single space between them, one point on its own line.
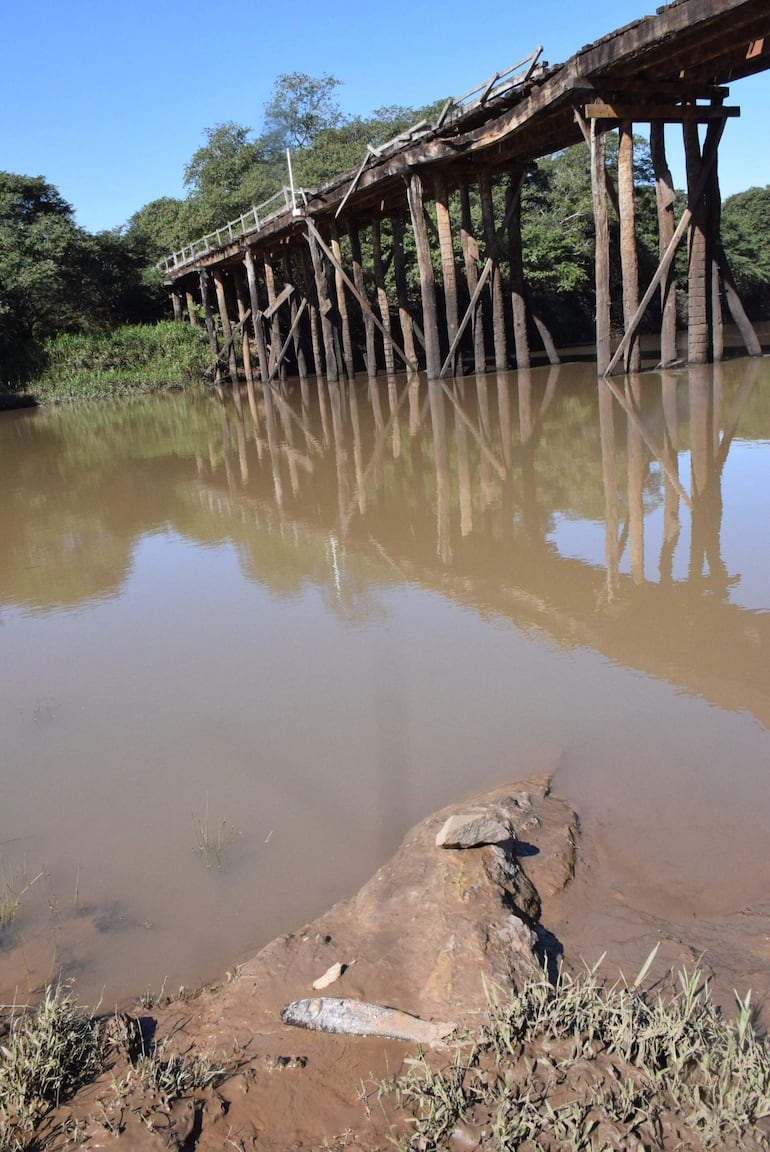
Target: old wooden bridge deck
281 281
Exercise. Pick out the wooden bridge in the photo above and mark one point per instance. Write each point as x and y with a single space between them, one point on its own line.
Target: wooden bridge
289 278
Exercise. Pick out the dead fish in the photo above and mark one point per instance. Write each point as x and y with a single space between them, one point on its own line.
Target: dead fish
360 1018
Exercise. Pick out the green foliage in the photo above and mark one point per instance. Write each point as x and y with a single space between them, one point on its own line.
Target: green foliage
55 277
129 360
746 240
301 108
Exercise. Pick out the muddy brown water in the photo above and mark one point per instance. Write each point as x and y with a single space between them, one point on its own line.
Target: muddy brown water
295 632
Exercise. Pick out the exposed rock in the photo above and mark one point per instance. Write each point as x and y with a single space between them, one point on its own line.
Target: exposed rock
472 829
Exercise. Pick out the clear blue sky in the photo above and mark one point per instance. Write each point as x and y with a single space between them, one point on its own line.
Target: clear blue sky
109 102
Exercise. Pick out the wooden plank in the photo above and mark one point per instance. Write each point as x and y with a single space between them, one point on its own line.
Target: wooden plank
279 300
666 113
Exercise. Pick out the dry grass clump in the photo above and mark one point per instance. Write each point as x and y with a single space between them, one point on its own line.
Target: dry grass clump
582 1065
45 1054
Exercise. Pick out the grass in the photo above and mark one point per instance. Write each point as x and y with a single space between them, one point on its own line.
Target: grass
130 360
212 839
45 1054
14 885
49 1051
582 1065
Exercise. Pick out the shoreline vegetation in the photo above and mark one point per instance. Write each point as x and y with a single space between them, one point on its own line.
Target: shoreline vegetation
569 1063
131 360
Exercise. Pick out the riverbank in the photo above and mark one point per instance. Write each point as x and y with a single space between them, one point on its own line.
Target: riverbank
130 360
455 928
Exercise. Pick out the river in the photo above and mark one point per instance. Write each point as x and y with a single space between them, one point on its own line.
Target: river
243 653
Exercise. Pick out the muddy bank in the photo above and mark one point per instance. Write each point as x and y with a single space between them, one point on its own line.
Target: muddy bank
429 934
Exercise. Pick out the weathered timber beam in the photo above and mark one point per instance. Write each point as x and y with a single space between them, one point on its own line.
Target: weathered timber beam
287 342
365 306
467 317
602 247
629 260
280 299
669 113
709 156
609 187
427 278
256 315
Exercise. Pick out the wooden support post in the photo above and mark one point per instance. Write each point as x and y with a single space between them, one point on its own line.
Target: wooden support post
347 281
282 353
342 304
665 197
299 351
358 279
192 310
382 296
518 297
310 293
176 303
256 314
427 280
602 231
275 324
448 268
709 156
470 311
402 293
325 307
699 265
490 237
227 331
628 255
243 315
471 258
203 278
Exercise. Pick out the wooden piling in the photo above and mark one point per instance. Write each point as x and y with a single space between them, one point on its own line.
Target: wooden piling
382 296
427 279
448 268
699 270
402 293
602 243
227 331
492 246
628 254
470 249
203 280
518 298
342 304
299 351
256 314
192 309
665 196
370 354
325 307
176 303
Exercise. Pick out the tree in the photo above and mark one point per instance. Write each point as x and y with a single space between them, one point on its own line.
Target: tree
746 240
302 106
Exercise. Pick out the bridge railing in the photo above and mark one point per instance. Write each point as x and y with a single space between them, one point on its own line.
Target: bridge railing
285 200
251 221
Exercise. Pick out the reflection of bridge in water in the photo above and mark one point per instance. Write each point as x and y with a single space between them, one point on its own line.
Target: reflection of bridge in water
304 281
458 489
